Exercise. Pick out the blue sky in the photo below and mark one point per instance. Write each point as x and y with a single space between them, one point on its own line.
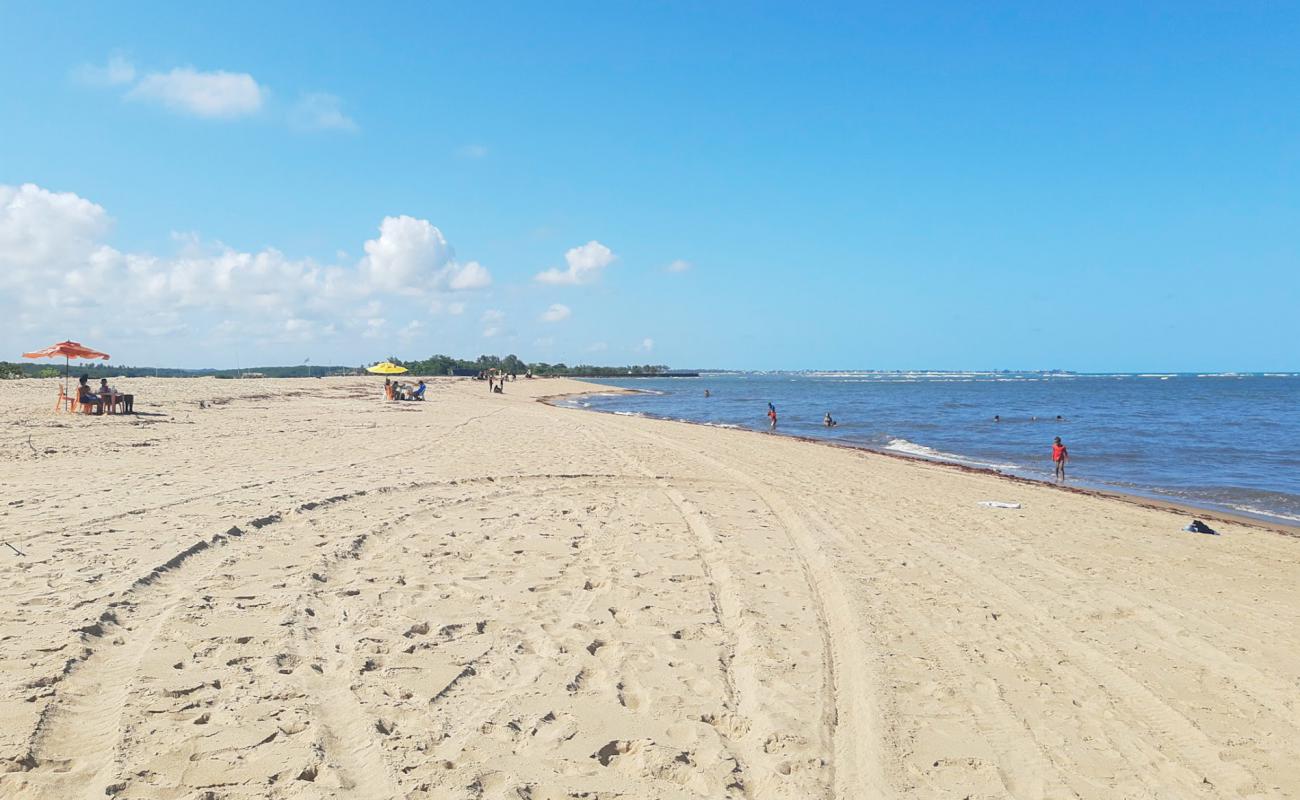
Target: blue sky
753 186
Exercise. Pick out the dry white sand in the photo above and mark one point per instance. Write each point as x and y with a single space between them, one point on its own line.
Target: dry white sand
302 591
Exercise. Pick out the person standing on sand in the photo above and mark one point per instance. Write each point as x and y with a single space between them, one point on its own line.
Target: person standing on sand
1060 455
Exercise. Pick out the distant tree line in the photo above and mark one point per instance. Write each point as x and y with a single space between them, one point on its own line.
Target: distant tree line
433 365
50 369
513 365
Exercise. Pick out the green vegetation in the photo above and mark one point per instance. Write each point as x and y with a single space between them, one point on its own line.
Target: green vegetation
513 365
100 370
433 365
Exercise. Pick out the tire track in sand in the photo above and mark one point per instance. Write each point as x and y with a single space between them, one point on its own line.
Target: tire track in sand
75 743
858 763
745 690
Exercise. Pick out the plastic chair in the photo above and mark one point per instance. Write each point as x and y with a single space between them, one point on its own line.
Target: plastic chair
66 401
89 408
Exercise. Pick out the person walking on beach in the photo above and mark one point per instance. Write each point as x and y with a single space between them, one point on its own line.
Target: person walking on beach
1060 455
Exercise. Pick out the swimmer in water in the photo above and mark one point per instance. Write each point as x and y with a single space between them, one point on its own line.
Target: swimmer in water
830 423
706 392
771 415
997 418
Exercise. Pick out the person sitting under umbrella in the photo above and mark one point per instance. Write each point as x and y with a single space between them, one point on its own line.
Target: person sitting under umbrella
115 398
87 397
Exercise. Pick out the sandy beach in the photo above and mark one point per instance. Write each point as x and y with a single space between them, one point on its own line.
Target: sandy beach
302 591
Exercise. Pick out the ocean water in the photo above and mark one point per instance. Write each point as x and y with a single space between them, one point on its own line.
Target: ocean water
1229 442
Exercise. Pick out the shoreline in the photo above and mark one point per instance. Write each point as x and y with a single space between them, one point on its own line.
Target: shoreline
1156 503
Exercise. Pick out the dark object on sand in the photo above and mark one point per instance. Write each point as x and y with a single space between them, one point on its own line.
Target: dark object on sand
1200 527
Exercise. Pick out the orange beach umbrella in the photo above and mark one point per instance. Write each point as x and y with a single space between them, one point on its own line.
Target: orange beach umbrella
69 350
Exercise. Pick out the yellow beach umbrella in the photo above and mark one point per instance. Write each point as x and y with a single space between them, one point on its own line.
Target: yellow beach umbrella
386 368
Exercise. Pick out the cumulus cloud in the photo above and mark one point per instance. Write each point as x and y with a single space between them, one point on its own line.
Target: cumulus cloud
583 265
218 94
410 253
321 111
412 256
678 265
557 312
39 227
55 265
470 275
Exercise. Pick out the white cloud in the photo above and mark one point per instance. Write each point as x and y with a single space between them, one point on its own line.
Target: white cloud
374 328
585 264
492 319
412 329
218 94
647 344
678 265
439 305
557 312
57 270
411 255
215 94
471 275
39 227
116 72
321 111
472 151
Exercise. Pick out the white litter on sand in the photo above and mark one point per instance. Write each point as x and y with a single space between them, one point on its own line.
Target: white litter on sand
998 504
